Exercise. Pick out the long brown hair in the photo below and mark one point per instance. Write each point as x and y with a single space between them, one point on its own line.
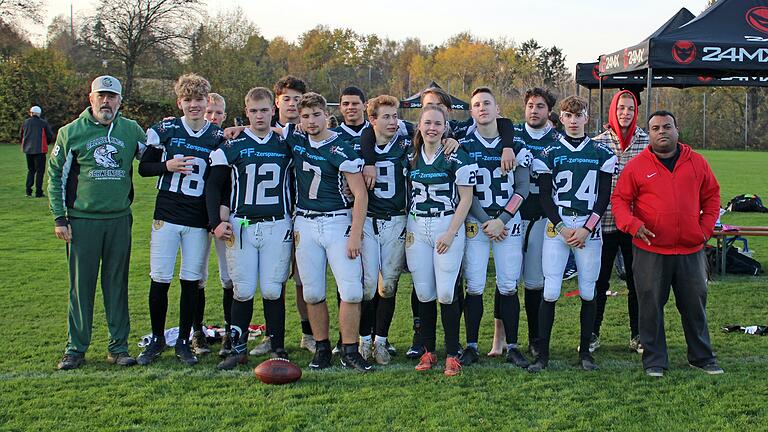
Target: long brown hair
418 140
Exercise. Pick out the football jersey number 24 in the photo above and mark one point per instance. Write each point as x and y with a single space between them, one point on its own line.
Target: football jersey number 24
587 190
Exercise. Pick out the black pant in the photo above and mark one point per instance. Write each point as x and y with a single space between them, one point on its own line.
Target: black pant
612 243
687 275
35 171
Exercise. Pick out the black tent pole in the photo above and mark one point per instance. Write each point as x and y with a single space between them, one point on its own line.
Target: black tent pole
649 86
601 106
589 102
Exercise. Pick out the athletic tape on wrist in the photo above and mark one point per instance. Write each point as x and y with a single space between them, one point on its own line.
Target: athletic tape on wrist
592 222
559 227
513 204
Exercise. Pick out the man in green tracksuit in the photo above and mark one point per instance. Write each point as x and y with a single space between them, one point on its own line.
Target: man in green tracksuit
91 189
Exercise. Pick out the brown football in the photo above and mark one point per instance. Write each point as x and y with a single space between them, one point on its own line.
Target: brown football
277 371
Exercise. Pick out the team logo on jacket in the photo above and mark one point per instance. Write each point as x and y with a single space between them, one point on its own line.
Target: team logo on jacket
409 239
105 156
757 18
551 232
684 52
470 229
157 224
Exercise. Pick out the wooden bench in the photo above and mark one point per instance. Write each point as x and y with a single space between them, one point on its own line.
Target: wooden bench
728 233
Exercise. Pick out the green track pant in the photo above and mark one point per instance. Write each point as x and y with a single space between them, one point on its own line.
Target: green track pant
105 243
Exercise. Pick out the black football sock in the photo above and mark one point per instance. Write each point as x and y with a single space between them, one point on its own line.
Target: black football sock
226 301
306 328
197 324
600 300
158 307
187 307
451 317
509 306
533 299
587 318
384 314
242 313
546 320
367 317
274 314
414 303
496 305
473 313
428 318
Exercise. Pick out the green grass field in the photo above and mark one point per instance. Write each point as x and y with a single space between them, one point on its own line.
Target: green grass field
490 396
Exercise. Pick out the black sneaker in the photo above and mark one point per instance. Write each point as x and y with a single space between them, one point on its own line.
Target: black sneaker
184 353
322 359
655 372
539 365
152 351
709 368
515 356
226 346
279 353
416 350
71 361
391 349
232 360
588 363
469 356
120 359
200 343
354 360
532 343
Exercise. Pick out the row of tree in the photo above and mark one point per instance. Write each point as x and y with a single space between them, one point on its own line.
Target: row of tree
148 43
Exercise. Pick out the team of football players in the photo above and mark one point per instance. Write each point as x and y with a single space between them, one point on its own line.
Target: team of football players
278 197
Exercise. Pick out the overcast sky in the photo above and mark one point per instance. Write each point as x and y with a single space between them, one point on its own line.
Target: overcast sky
583 29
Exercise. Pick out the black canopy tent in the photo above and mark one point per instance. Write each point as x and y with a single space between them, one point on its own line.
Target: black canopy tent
414 101
728 39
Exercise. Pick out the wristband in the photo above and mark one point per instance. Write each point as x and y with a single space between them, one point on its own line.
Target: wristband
513 204
559 227
592 222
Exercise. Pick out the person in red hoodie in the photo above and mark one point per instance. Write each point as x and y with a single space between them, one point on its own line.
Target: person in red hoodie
668 199
627 141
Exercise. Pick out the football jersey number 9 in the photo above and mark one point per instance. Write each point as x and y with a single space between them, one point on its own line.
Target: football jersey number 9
385 175
191 184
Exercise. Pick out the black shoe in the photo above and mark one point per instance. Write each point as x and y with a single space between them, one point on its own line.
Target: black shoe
469 356
226 346
391 349
232 360
588 363
539 365
29 195
322 358
184 353
709 368
71 361
152 351
121 359
40 196
352 359
515 356
279 353
337 348
532 343
655 372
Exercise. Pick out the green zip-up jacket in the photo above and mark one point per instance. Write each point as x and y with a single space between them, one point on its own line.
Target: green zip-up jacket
91 167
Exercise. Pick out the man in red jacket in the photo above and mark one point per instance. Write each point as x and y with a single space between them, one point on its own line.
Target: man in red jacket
668 199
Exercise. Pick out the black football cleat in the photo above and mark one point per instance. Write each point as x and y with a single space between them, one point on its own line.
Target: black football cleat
515 356
152 351
469 356
279 353
354 360
539 365
587 363
232 360
226 346
322 358
184 353
71 361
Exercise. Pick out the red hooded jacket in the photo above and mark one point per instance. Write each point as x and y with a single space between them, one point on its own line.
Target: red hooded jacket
679 207
613 120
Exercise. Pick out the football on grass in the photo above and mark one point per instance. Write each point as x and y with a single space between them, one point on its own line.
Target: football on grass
277 371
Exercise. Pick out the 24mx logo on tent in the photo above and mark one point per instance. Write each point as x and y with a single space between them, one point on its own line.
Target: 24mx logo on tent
684 52
757 18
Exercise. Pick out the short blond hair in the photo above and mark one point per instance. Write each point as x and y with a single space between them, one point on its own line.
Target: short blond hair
379 101
573 104
313 100
259 93
217 99
192 85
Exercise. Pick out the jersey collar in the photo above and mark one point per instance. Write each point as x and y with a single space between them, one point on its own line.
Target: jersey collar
352 132
531 131
386 148
485 142
568 145
256 138
431 161
189 130
317 145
